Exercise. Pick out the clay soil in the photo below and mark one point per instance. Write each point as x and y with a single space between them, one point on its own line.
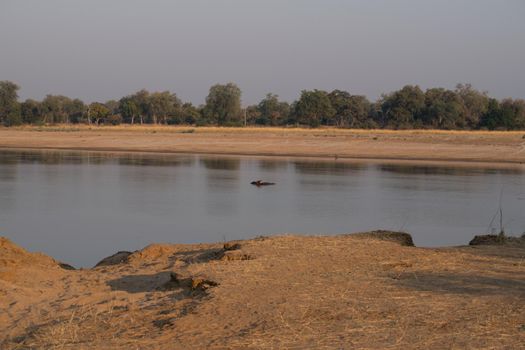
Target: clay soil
459 146
282 292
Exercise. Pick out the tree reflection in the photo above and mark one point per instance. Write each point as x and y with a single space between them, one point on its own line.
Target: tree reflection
326 167
220 163
421 169
272 164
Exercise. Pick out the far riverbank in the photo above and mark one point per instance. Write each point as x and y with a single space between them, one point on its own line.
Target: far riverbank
413 145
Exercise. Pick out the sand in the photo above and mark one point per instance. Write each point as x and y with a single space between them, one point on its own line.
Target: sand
458 146
293 292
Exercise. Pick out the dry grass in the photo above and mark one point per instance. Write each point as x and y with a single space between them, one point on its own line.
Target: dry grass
255 129
296 293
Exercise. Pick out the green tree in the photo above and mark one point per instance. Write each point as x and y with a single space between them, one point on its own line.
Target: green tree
475 103
253 115
9 106
98 112
517 108
141 100
128 109
31 111
75 110
501 116
162 106
313 108
190 114
56 109
272 111
400 109
351 110
113 106
223 104
444 109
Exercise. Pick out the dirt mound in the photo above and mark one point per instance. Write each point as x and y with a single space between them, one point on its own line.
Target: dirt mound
153 252
403 238
496 240
13 256
115 259
487 240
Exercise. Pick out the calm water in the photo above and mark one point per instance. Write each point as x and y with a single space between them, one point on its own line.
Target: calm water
81 207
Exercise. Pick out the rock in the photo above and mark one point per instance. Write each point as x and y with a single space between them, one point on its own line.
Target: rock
403 238
65 266
235 255
487 240
115 259
231 246
201 284
194 284
174 277
175 282
166 322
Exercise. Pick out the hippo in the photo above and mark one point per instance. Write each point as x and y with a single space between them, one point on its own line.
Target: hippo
260 183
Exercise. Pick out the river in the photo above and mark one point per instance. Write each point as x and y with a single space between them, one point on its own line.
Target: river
82 206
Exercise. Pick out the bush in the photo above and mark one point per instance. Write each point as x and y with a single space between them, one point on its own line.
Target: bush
115 119
233 123
202 122
13 119
174 120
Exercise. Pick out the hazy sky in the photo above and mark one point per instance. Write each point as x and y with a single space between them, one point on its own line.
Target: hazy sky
105 49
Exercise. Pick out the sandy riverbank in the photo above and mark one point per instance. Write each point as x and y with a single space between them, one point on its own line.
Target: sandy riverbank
347 291
459 146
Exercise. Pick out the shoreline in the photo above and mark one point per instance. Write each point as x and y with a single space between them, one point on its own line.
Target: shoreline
455 147
398 237
287 291
380 160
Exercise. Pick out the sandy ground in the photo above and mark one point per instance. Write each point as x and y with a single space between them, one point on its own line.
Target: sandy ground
283 292
494 147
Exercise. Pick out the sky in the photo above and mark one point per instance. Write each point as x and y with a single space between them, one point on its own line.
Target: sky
99 50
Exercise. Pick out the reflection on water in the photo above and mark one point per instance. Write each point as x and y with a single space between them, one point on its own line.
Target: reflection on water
82 206
328 167
445 170
270 164
216 163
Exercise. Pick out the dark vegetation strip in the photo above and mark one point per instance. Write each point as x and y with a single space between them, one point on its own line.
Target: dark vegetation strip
464 108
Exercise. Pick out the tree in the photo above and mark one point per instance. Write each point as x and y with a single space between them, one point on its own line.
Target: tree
313 108
141 100
402 108
350 110
517 108
163 106
443 109
272 111
190 114
113 106
253 115
500 116
76 110
9 106
56 108
475 103
223 104
31 111
98 112
128 109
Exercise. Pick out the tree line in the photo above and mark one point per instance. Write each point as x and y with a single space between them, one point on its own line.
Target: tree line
407 108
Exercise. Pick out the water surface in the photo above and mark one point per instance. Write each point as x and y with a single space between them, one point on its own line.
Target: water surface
82 206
